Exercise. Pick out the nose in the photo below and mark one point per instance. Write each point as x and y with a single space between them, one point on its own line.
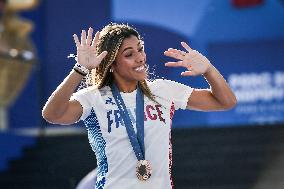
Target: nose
141 57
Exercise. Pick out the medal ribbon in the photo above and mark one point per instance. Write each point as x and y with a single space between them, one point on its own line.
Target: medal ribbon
137 141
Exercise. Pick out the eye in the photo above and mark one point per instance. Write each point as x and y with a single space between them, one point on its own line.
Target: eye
128 55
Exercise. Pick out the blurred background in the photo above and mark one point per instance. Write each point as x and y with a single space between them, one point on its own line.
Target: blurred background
237 149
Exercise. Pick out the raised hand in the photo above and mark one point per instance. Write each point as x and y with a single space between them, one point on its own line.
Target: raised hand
192 60
86 49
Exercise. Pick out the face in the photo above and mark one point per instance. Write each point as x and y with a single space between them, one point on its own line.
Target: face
130 61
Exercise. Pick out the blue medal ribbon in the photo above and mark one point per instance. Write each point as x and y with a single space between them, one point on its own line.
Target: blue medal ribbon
137 141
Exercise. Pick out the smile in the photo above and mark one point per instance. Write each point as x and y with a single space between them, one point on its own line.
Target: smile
140 68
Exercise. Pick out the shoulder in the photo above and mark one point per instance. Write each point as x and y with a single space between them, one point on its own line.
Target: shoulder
173 90
157 81
86 91
91 92
160 84
94 90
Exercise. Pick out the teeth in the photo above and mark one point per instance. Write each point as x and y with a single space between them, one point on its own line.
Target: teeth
140 68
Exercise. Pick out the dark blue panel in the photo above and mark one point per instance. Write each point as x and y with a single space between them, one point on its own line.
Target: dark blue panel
255 71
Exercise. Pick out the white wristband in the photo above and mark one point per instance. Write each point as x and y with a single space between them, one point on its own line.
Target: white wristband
81 68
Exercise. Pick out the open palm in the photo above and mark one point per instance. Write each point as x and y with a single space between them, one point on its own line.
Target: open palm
192 60
86 49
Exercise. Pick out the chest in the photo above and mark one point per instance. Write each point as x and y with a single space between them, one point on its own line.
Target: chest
156 117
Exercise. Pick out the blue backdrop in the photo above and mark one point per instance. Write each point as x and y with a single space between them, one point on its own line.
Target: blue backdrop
245 44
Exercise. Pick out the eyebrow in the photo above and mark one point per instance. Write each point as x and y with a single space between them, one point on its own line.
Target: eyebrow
139 43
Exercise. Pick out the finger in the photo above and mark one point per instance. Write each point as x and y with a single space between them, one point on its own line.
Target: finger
174 64
174 55
177 51
102 55
187 73
173 50
182 52
83 37
77 42
96 39
186 46
90 36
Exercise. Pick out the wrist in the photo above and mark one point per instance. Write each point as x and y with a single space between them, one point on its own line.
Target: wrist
80 69
78 72
209 70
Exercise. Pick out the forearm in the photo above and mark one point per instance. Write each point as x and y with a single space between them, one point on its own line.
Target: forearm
58 102
220 88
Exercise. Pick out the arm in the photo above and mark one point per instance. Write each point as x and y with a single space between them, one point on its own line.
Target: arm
59 108
219 97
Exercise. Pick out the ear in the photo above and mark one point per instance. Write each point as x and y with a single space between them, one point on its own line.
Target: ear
112 67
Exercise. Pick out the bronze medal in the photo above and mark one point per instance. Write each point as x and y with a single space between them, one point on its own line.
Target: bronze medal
143 170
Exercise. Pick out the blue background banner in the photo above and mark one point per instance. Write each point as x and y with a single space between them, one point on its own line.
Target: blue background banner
245 44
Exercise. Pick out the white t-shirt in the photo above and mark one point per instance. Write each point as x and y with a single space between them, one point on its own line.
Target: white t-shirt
108 137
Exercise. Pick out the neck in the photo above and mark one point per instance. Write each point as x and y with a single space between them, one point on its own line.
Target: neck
126 87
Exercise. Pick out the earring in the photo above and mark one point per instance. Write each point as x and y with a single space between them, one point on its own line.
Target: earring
111 70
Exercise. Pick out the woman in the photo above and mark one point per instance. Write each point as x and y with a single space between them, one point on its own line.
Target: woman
127 117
